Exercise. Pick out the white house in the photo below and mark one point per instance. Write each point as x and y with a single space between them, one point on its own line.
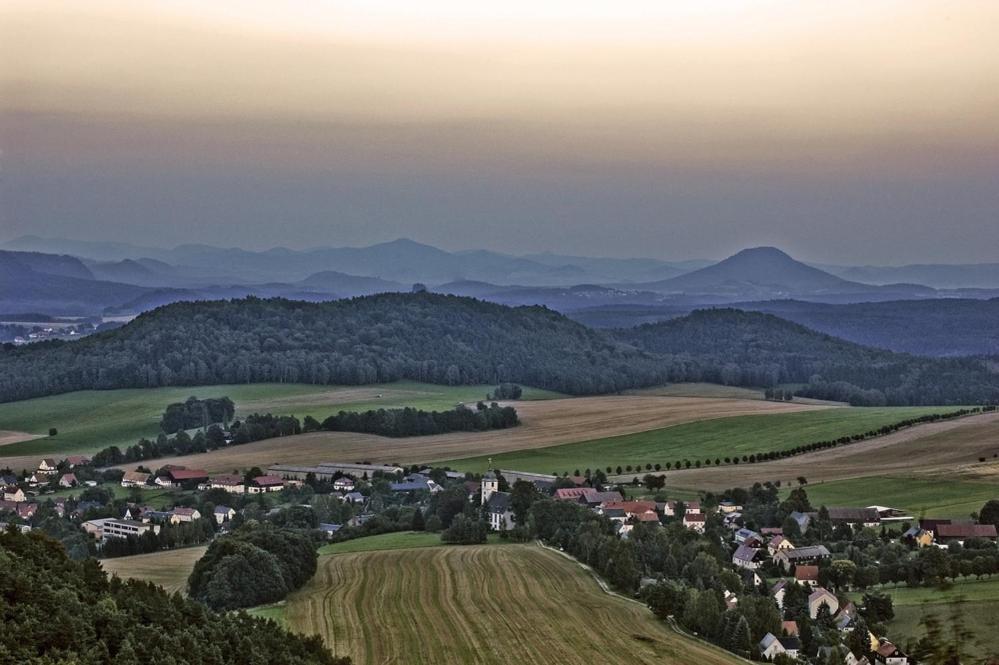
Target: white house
821 597
772 646
223 514
179 515
695 521
343 484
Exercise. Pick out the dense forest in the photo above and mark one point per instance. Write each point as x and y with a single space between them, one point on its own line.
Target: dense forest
54 610
733 347
452 340
421 337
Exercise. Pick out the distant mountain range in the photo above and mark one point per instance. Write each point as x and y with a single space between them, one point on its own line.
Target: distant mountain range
72 278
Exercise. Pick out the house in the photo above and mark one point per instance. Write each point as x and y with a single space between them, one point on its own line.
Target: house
134 479
416 484
265 484
789 628
15 494
630 508
778 591
948 533
223 514
158 516
918 536
47 466
778 543
178 477
183 515
353 497
329 530
889 654
573 493
728 506
806 575
845 617
229 482
68 480
343 484
803 520
747 536
136 512
74 461
751 578
601 498
7 479
867 517
113 528
889 514
821 597
695 522
772 646
748 557
799 555
22 509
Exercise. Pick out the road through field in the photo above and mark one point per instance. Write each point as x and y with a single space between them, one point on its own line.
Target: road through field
951 447
481 605
543 423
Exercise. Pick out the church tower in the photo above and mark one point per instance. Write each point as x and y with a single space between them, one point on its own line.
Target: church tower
490 484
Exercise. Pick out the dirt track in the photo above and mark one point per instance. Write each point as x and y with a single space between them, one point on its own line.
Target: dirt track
951 447
7 437
544 423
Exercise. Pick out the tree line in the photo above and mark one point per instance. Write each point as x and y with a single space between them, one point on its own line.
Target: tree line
194 413
59 610
416 422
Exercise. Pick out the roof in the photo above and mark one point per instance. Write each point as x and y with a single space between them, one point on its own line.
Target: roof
821 593
966 531
649 516
604 497
189 512
330 528
745 553
227 479
838 514
805 552
268 481
573 492
806 573
68 478
78 459
135 476
790 643
886 649
632 507
187 474
695 517
499 502
410 486
790 627
222 510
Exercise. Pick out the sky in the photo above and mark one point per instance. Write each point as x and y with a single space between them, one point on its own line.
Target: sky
849 132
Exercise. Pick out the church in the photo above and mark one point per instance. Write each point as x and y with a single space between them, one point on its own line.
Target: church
497 503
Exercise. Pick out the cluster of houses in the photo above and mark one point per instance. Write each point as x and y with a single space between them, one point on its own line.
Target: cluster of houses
138 520
18 495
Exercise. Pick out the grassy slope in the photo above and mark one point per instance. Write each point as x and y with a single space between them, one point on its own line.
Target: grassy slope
169 568
978 611
90 420
484 605
920 496
741 435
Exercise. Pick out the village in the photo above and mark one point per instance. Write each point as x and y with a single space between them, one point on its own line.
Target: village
802 564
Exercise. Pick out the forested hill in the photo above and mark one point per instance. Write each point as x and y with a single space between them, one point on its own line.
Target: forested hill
421 337
454 340
734 347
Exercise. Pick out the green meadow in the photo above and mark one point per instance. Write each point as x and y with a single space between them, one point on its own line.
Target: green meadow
90 420
920 496
701 440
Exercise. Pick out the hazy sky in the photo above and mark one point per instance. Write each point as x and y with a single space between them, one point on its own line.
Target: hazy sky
850 131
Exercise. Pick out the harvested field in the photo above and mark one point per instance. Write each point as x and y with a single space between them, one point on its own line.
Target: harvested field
169 568
479 605
7 437
544 423
942 449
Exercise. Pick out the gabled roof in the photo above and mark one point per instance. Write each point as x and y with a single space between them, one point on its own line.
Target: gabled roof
806 573
821 594
572 493
268 481
499 502
745 553
227 479
186 512
806 552
223 510
966 531
186 474
790 643
135 476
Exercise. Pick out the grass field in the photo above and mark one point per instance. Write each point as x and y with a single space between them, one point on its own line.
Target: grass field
169 568
478 605
543 423
705 439
386 541
90 420
978 607
946 450
920 496
157 497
